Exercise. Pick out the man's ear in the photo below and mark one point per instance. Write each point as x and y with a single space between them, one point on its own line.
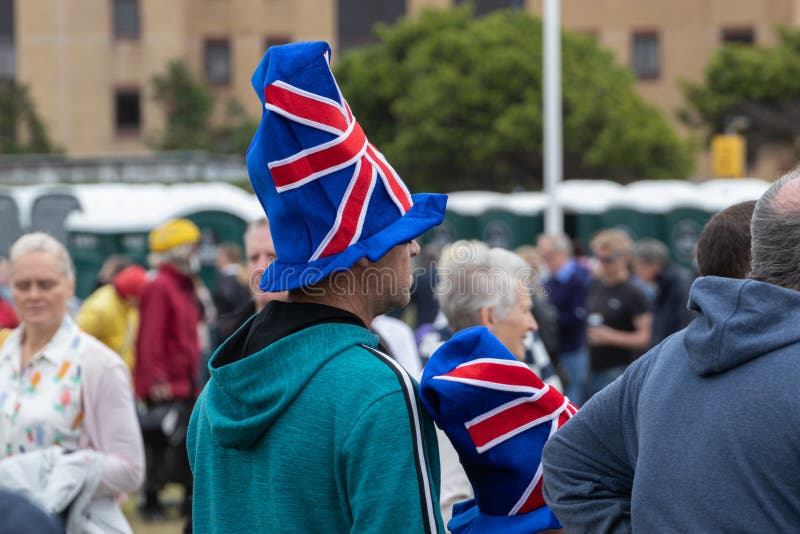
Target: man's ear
486 315
363 262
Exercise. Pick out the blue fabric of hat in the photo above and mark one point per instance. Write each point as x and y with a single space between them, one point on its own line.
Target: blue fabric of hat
498 415
331 198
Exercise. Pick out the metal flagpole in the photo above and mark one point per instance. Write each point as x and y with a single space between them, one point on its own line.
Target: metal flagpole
553 151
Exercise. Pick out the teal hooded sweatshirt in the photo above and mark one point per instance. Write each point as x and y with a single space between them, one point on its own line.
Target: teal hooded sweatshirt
313 433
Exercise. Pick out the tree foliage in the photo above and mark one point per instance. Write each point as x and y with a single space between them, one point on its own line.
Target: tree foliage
189 106
455 102
21 129
757 88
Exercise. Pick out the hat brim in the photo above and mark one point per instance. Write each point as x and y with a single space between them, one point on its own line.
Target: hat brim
427 211
468 519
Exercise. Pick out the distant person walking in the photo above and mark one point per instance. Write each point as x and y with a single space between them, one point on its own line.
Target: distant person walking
168 357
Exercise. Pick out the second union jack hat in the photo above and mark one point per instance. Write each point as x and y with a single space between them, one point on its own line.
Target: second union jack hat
498 415
330 196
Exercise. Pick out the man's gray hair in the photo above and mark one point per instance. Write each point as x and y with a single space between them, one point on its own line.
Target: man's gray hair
651 251
42 242
256 226
558 242
472 276
775 230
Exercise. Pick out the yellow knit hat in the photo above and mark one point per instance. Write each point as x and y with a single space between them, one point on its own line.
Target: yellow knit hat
173 233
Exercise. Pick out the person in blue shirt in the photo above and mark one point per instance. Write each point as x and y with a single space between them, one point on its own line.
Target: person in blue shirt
567 287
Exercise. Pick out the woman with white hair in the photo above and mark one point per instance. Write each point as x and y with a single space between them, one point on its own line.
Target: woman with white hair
61 390
488 287
491 287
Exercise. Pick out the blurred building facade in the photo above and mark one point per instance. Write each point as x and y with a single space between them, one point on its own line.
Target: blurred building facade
89 63
664 42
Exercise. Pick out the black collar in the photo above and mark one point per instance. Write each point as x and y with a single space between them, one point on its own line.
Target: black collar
280 319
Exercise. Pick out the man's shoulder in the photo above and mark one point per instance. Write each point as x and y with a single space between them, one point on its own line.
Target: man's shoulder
360 376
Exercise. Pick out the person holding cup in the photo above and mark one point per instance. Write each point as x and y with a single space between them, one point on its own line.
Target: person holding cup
618 316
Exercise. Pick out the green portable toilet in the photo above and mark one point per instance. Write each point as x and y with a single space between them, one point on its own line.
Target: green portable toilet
527 209
643 207
720 193
688 218
464 211
222 212
117 218
10 221
585 203
49 210
684 222
497 224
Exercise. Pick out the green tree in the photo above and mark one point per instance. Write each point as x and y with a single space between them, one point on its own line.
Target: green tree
456 102
21 129
750 87
189 105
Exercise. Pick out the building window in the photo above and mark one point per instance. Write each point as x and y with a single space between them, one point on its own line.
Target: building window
484 7
275 40
745 36
646 55
126 19
357 18
218 62
7 53
127 111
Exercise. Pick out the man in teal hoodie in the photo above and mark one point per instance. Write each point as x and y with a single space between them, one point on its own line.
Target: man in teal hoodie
305 425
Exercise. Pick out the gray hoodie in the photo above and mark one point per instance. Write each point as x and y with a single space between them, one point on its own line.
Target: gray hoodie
702 434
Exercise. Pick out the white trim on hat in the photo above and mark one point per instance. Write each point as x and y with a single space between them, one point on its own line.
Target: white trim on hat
328 170
518 430
340 212
527 493
385 179
291 88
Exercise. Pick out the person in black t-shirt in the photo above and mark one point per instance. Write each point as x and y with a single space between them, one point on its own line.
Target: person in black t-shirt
618 315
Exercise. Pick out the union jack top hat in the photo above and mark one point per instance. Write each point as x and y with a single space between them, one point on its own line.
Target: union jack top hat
498 415
330 196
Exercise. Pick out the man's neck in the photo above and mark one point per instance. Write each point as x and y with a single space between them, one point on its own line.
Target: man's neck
352 302
615 279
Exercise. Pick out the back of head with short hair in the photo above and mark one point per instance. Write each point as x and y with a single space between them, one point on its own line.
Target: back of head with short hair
724 246
775 234
651 251
558 242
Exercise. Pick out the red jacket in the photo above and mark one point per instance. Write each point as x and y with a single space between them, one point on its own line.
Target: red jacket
167 345
8 319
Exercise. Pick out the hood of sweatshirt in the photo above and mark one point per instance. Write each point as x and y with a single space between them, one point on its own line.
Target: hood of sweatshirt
738 321
246 396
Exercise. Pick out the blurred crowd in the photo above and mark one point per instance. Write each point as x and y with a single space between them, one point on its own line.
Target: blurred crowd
582 319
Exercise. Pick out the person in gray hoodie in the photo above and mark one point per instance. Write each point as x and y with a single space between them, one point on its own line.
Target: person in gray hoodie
700 434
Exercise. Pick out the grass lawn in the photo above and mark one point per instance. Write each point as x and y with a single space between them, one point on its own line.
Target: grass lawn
172 525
